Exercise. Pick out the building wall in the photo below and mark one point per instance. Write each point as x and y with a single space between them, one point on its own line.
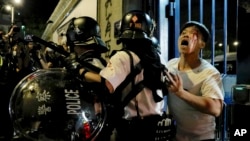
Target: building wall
109 14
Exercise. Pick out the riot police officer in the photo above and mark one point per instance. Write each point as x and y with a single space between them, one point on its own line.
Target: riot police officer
84 39
141 113
64 108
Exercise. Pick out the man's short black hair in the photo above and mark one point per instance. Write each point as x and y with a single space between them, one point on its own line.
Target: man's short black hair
202 28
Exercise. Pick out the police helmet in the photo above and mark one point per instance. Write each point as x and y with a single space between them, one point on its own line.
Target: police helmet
202 28
28 38
85 31
136 24
51 105
156 44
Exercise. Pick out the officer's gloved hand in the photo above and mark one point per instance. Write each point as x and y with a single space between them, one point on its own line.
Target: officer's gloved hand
71 65
74 68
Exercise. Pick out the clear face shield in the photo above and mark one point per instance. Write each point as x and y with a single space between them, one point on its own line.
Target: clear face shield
52 105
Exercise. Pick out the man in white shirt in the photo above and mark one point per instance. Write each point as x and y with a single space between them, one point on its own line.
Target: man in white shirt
195 87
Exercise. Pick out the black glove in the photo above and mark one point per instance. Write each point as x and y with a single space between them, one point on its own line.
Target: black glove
74 68
71 65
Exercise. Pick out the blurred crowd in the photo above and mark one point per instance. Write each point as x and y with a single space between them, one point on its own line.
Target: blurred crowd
18 58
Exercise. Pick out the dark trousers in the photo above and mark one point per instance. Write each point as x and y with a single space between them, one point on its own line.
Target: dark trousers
137 129
6 128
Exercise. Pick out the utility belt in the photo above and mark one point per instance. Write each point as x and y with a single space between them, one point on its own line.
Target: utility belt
141 128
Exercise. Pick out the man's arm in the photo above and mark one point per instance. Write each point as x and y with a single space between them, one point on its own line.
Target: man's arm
203 104
94 77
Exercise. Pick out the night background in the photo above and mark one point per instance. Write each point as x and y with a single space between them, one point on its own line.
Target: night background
33 14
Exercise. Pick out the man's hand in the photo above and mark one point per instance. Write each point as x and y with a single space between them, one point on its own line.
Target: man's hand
175 83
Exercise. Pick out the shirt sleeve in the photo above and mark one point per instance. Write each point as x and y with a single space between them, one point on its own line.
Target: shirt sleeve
213 87
117 68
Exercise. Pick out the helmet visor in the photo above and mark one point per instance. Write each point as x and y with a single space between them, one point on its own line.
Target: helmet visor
93 41
132 34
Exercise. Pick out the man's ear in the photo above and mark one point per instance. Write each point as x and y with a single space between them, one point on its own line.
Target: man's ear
203 44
